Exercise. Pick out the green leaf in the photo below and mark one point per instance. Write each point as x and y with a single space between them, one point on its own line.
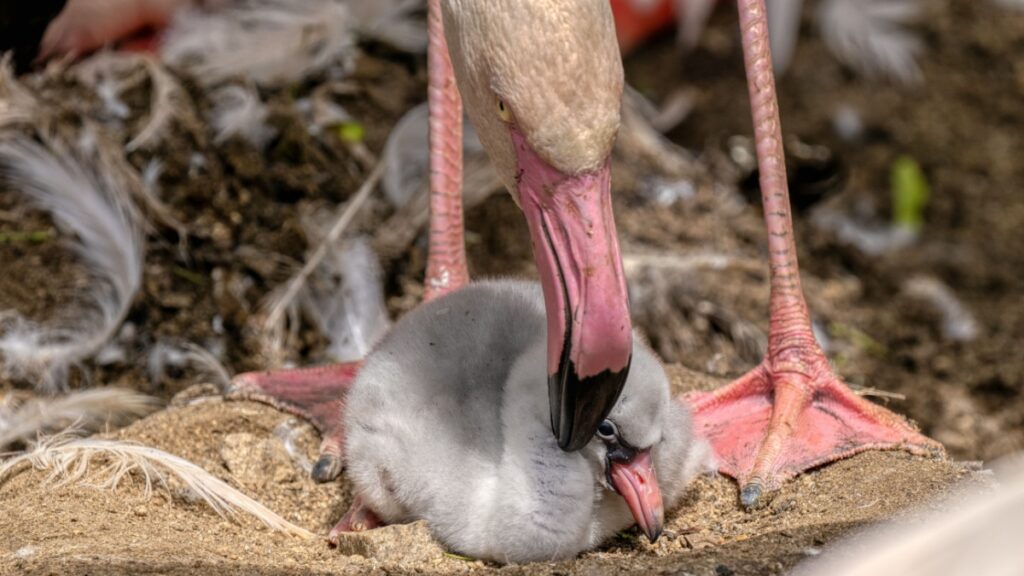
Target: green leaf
28 237
910 193
351 132
189 276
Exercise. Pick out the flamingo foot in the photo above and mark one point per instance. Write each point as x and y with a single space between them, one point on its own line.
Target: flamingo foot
771 424
358 518
316 394
87 25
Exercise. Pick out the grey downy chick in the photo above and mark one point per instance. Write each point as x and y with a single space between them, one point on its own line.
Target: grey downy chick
448 422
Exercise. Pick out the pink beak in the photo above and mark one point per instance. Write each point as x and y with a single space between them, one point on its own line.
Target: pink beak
636 482
577 252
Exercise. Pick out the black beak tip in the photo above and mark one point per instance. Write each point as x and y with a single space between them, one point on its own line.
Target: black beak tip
654 533
579 405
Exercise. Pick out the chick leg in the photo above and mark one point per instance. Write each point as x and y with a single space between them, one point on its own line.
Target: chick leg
791 413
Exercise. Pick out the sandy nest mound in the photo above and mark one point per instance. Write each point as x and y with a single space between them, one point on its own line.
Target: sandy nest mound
79 529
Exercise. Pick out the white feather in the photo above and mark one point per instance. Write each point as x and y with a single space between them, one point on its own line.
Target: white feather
405 159
68 459
238 111
286 432
271 42
111 73
320 113
392 22
869 236
17 105
958 323
85 409
167 102
783 30
407 163
164 355
282 305
91 206
871 36
277 42
345 300
693 19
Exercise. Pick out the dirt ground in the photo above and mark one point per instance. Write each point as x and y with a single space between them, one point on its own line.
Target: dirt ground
964 125
83 530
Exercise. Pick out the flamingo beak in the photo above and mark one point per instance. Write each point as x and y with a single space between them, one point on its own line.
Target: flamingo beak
634 479
577 253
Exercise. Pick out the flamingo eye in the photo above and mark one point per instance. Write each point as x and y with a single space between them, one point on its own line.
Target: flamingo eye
503 111
607 431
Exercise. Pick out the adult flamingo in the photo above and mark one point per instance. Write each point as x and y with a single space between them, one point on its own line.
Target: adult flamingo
542 82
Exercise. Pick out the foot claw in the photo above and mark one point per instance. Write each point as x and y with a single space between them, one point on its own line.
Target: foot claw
750 495
327 468
316 394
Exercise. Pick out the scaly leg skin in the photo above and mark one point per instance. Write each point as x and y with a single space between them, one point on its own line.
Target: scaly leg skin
791 413
446 258
357 518
317 394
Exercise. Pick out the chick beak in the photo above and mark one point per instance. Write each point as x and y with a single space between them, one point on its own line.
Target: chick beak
634 479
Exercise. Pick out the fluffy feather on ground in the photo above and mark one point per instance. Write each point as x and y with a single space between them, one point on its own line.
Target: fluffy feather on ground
282 305
91 206
85 410
68 460
345 300
271 42
406 164
91 143
112 73
278 42
238 111
870 36
164 355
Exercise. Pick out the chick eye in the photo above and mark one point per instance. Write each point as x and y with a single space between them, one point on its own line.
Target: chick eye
503 111
607 430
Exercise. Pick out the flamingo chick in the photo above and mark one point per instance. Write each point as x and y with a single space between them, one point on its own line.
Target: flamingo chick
448 422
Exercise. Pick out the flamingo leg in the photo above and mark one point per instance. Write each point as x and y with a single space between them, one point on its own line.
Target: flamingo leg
790 413
446 259
317 394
